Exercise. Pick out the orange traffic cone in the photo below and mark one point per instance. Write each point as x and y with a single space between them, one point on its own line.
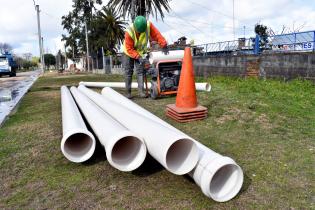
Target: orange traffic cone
186 108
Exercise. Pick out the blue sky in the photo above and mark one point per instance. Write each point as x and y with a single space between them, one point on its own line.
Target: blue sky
203 21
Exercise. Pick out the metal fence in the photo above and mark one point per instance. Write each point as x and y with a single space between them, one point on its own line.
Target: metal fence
218 48
97 64
302 41
106 64
293 42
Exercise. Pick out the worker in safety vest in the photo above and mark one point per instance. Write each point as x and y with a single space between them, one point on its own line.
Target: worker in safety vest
137 37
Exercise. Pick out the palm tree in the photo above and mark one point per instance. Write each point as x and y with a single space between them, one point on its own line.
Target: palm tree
108 29
141 7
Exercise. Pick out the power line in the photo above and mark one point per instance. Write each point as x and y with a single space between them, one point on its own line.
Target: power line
171 27
212 10
211 30
49 15
178 23
191 25
207 23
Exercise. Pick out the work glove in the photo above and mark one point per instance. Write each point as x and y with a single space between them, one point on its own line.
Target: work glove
165 50
141 60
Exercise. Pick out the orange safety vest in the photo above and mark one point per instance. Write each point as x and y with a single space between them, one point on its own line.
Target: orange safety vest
141 43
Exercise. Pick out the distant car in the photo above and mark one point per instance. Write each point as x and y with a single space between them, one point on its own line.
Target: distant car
7 65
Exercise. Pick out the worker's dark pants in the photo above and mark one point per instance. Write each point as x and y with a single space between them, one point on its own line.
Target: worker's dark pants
129 64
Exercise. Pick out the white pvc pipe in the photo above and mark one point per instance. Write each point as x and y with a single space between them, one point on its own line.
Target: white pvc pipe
218 176
125 150
175 151
204 86
108 84
157 56
77 143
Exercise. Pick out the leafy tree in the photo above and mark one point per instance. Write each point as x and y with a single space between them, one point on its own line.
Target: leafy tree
27 64
27 56
141 7
107 30
74 24
261 30
35 59
23 63
5 47
50 60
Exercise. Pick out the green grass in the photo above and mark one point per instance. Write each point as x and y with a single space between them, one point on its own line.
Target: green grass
268 127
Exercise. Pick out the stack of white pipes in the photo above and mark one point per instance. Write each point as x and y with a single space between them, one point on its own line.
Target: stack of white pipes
175 151
125 150
219 177
127 131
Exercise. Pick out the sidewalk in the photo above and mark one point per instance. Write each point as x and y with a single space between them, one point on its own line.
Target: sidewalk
12 90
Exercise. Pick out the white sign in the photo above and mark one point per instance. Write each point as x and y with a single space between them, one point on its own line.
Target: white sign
308 46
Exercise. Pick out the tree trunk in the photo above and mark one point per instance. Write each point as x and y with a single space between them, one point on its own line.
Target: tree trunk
141 8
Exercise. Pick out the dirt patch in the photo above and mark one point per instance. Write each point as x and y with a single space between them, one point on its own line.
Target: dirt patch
264 121
233 114
69 76
243 116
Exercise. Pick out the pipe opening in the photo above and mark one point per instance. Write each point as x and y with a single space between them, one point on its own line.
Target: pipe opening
208 87
182 156
78 145
129 153
226 182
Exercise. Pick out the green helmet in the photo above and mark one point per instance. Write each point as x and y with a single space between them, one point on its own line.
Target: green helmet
140 24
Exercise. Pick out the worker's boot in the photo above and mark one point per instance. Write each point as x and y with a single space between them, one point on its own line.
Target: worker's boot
128 81
140 86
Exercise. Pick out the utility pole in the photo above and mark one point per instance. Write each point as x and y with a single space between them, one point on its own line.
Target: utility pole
87 47
73 53
66 59
43 53
103 56
39 36
87 41
133 10
233 22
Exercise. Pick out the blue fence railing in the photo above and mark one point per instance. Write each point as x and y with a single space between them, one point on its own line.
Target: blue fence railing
244 45
300 41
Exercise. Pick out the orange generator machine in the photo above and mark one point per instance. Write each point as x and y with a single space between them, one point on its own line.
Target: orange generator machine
164 71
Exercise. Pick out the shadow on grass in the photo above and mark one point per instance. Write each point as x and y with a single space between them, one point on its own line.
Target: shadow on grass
45 88
99 153
149 166
189 178
247 182
98 156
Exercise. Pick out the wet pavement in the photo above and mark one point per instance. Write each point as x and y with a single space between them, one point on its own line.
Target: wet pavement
12 90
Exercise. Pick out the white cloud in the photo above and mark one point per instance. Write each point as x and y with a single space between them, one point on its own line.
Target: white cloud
218 14
18 23
203 20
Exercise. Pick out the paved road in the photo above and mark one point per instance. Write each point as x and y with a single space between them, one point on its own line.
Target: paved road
12 89
12 82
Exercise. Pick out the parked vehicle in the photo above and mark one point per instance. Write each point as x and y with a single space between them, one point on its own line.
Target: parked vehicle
7 65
